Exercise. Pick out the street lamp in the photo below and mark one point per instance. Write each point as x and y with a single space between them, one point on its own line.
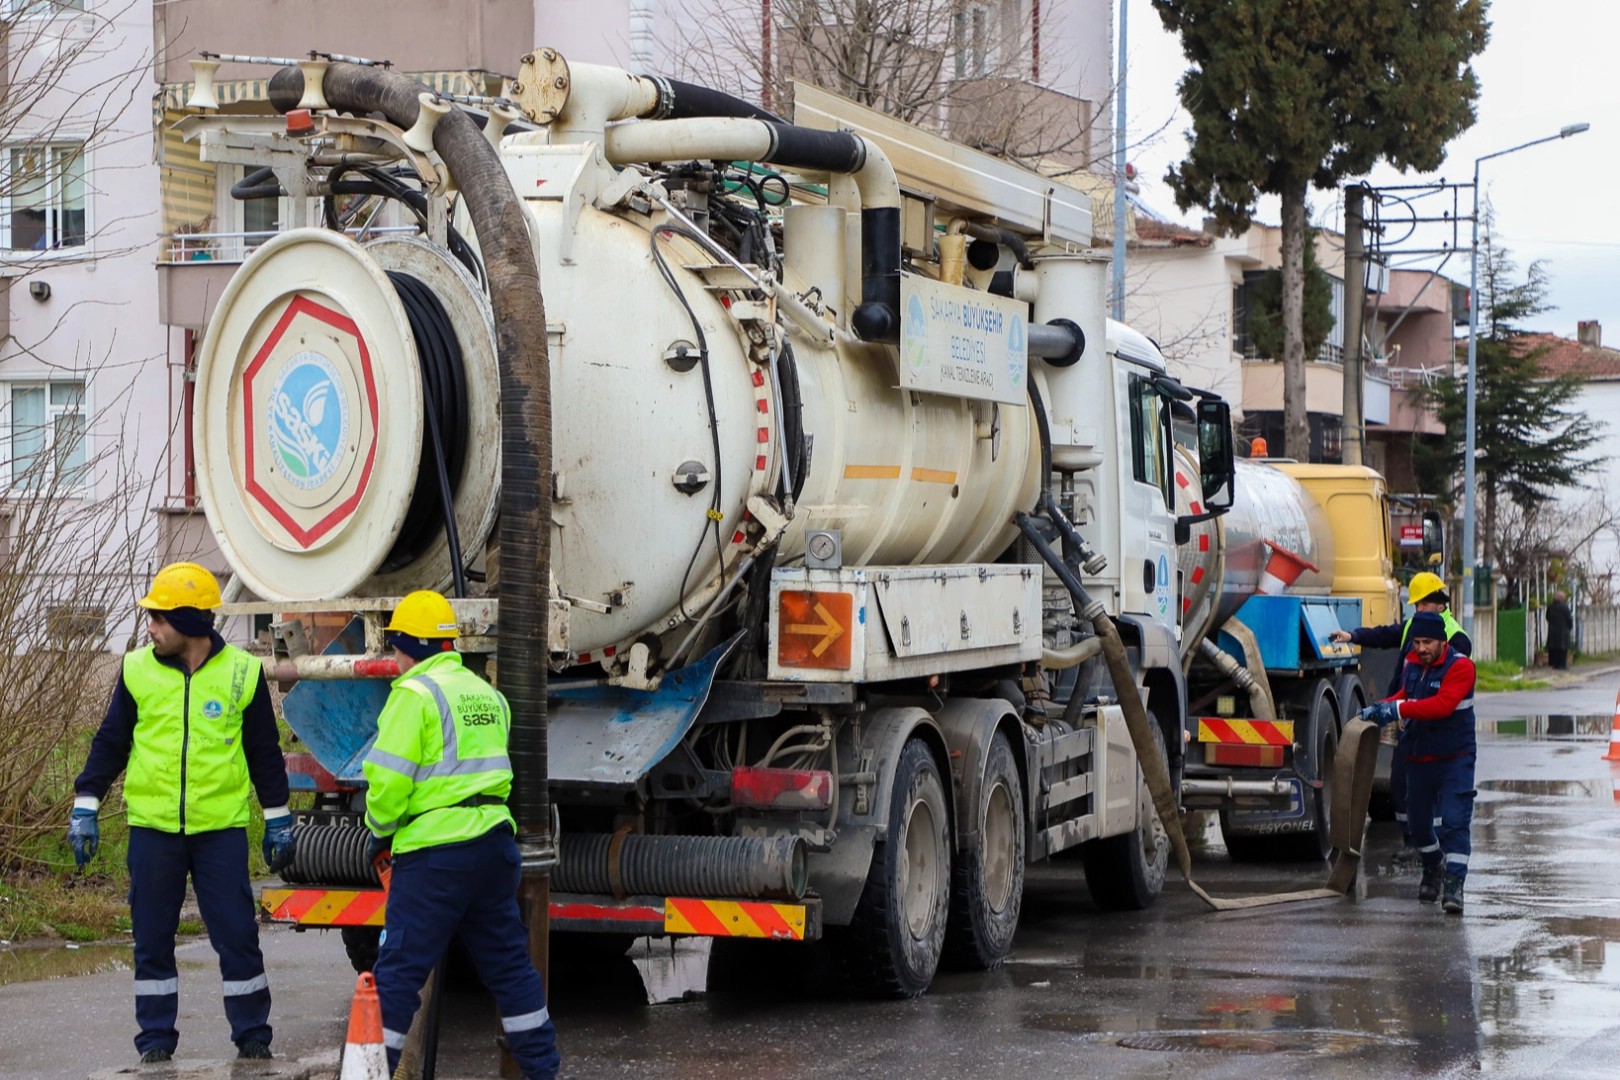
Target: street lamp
1470 485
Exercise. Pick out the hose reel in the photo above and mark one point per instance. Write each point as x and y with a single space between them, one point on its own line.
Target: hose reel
327 369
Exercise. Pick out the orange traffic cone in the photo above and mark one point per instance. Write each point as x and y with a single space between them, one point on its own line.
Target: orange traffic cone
363 1054
1614 734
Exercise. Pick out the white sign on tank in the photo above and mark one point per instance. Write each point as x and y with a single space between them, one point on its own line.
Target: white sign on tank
961 342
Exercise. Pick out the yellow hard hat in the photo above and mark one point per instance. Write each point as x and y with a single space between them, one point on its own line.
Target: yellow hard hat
182 584
1425 585
423 614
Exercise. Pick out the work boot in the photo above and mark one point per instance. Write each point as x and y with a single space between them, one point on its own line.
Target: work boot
1407 856
253 1050
1453 902
1429 887
155 1055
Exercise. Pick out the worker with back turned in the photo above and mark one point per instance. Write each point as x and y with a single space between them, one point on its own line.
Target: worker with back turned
1427 593
190 725
438 777
1436 700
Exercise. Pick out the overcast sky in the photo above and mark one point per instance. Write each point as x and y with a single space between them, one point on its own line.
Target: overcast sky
1549 63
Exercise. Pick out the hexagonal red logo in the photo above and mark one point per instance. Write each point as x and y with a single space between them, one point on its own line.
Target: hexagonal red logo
309 417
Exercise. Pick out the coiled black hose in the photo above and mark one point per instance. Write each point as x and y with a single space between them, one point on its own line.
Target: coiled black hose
330 855
444 450
795 444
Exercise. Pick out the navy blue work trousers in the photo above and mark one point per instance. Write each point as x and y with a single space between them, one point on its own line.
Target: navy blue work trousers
1440 806
217 863
469 888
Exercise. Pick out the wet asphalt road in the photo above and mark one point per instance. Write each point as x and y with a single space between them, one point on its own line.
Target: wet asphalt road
1526 984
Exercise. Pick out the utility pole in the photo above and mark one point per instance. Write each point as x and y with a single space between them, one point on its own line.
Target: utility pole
1120 207
1355 306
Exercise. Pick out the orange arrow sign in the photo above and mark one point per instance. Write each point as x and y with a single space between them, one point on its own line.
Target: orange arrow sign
813 629
829 629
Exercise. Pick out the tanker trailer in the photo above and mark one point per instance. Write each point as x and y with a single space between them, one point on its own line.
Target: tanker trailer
820 425
1303 551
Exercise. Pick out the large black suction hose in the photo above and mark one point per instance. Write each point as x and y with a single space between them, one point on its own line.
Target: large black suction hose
682 100
1124 680
520 338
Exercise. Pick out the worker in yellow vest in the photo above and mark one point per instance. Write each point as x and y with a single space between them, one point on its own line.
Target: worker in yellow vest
437 781
190 725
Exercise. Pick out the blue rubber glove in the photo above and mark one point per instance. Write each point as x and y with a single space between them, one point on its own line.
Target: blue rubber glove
1384 712
278 844
85 835
378 847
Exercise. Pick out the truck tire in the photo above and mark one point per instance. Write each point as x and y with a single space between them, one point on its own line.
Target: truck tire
1314 844
1120 873
893 943
1318 844
987 882
362 943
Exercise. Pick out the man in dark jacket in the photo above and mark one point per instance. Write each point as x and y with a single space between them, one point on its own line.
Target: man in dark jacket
1436 699
190 726
1427 593
1560 624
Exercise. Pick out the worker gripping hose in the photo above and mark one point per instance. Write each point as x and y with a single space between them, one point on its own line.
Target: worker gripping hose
1353 770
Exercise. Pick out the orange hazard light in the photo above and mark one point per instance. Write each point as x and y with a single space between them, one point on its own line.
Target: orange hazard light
813 629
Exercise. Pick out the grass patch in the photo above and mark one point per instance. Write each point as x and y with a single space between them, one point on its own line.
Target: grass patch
90 907
1497 675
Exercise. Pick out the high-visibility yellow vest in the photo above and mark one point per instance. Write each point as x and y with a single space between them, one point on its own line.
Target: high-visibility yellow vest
187 772
1453 627
441 741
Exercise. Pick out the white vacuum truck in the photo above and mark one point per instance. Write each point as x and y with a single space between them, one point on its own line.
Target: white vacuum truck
842 516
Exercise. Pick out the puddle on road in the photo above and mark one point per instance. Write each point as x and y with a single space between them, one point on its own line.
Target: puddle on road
1567 789
31 963
1547 727
671 969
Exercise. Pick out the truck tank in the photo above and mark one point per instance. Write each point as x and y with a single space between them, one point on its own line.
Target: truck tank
1223 562
311 408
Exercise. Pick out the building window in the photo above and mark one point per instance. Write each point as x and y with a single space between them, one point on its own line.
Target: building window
46 197
48 426
970 29
41 9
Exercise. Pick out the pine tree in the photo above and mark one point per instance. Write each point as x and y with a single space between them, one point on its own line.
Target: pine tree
1289 93
1528 440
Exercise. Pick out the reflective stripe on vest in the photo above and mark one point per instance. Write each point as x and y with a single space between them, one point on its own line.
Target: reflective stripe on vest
452 764
1448 736
187 771
470 761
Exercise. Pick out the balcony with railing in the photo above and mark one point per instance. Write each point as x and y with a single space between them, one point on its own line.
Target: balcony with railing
194 268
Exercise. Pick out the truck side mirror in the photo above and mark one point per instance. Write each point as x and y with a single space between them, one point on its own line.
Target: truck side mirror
1434 537
1217 458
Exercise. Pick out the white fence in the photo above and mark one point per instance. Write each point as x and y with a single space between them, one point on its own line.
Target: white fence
1597 629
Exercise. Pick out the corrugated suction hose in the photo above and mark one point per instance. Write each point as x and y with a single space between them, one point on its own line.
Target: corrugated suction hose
330 855
718 867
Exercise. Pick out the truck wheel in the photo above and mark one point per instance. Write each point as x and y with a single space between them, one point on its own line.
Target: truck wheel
361 943
894 940
1126 872
987 883
1318 843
